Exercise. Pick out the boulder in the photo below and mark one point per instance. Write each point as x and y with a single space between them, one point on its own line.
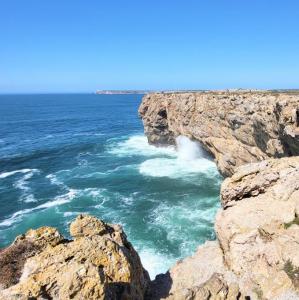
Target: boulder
99 263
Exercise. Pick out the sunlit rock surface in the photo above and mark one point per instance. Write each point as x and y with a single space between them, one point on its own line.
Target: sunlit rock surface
236 127
98 264
256 255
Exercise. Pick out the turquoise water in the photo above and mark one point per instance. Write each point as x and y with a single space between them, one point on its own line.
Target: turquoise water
61 155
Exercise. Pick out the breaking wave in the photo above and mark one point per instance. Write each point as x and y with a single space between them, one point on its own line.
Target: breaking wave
138 145
189 159
114 185
23 171
154 261
59 200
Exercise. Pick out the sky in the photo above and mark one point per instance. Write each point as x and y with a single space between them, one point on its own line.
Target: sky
54 46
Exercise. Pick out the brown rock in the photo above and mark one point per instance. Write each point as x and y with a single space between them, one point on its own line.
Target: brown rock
236 127
99 264
13 258
257 230
256 255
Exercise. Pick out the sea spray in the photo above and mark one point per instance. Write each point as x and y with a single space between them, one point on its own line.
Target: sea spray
188 149
189 160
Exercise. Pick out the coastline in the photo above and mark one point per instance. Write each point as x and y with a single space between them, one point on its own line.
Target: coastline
254 141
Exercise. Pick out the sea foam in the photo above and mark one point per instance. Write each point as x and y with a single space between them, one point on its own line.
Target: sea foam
59 200
138 145
155 262
189 159
23 171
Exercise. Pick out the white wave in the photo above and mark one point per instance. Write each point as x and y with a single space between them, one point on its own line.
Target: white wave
154 262
22 184
54 180
88 134
189 159
187 149
23 171
70 214
29 198
138 145
176 218
59 200
187 223
176 168
96 193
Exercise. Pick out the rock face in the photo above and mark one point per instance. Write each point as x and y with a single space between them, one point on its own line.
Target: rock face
258 231
236 127
256 255
98 264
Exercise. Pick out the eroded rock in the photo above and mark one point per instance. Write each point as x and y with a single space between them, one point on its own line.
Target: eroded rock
13 258
98 264
236 127
256 255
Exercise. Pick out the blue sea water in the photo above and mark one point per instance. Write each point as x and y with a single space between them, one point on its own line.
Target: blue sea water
61 155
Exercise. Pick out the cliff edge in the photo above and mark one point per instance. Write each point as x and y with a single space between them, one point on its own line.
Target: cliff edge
256 254
99 263
235 127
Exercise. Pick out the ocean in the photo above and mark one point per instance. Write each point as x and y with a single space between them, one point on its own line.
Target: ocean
62 155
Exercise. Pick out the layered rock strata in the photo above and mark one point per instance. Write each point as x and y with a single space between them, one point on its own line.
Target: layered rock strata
236 127
99 263
256 255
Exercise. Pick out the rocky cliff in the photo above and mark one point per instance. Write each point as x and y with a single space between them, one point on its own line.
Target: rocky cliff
99 263
236 127
256 254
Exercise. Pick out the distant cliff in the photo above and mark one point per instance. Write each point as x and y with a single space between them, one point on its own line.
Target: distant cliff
236 127
121 92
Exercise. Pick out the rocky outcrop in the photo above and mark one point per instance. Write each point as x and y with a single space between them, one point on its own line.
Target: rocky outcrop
98 264
13 258
236 127
256 255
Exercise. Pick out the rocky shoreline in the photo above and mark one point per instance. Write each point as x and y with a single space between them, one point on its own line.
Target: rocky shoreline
235 127
254 138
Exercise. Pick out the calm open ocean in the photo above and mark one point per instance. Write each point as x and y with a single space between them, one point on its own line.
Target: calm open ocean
61 155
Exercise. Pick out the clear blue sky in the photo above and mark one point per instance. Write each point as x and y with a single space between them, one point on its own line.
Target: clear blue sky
81 46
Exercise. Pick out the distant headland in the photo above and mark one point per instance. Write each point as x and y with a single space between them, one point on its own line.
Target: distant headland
121 92
239 90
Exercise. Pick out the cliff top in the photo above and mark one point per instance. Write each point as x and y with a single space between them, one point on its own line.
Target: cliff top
231 91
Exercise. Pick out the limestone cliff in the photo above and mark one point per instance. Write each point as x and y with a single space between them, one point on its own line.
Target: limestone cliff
98 264
256 254
236 127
